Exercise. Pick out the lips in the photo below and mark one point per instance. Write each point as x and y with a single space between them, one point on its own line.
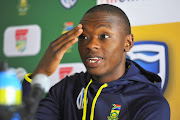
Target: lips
93 61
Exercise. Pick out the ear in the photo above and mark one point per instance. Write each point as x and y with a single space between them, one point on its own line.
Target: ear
129 43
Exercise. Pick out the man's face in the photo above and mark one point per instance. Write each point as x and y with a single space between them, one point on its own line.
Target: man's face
101 45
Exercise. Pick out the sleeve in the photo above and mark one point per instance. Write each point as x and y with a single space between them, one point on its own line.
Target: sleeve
49 107
154 110
26 85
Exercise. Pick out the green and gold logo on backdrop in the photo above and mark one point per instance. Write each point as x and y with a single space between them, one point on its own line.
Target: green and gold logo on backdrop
23 7
21 39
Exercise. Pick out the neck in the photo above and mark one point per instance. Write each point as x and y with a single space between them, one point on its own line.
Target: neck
109 77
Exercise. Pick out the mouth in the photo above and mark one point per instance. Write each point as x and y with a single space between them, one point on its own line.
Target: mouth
93 61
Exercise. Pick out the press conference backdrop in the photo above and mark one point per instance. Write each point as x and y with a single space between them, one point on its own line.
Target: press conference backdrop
28 26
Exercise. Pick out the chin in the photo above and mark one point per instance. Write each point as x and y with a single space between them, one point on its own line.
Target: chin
95 72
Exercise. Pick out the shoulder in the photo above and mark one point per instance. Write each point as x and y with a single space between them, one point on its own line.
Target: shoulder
65 87
145 101
156 109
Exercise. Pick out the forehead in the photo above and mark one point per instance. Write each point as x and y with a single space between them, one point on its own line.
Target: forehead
100 19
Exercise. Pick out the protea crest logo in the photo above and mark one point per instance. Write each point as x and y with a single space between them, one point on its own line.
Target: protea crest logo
152 56
21 39
23 7
68 3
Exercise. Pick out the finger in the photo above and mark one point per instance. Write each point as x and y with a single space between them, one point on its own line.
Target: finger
65 35
60 52
71 37
71 31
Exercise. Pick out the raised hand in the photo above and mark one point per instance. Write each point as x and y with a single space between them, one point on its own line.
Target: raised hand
55 52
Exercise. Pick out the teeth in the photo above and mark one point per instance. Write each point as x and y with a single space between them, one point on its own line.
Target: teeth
93 60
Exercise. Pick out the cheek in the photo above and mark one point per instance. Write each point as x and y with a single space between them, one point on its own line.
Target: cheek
114 54
115 49
80 46
80 50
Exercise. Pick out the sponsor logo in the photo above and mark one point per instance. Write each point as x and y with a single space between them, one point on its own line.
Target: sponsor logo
67 27
64 71
80 99
68 3
107 1
116 1
21 39
23 7
114 112
147 12
152 56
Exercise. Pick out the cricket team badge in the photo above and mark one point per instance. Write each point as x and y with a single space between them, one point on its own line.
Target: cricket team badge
23 7
114 112
21 39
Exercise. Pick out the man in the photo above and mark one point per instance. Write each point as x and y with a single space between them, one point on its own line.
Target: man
113 87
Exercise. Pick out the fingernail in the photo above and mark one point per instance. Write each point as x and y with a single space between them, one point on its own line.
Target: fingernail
79 30
79 25
76 39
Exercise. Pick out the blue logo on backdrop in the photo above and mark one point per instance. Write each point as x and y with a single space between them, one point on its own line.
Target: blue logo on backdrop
68 3
152 56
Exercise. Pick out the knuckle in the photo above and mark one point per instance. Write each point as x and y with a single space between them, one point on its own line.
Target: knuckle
66 34
56 55
77 33
63 47
53 49
68 38
51 45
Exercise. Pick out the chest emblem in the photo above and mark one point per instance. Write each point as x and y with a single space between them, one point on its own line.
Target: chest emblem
114 112
80 99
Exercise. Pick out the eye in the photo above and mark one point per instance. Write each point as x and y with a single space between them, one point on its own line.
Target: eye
103 36
83 37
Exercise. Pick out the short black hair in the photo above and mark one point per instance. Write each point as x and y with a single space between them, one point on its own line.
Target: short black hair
113 10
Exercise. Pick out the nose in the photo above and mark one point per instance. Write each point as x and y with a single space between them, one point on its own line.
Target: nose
93 44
